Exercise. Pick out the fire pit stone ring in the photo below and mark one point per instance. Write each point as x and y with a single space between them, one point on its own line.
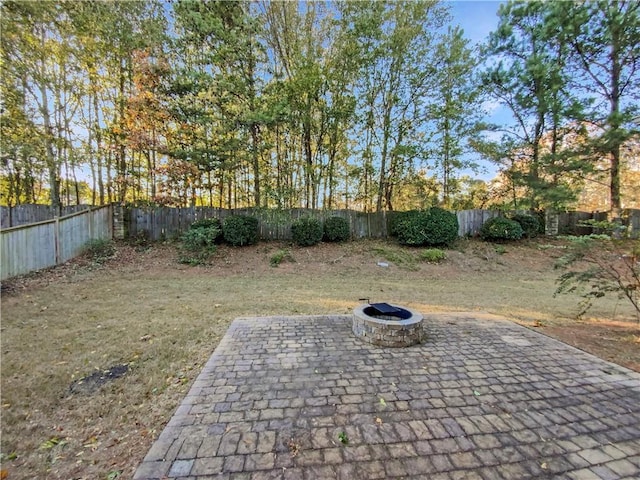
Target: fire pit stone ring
387 325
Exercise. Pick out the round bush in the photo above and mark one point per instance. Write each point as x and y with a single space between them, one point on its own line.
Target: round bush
336 229
396 218
213 226
530 225
306 231
433 227
443 227
500 228
239 230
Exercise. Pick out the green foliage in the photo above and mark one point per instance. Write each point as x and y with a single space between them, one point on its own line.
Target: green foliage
599 226
530 225
500 229
207 223
199 242
596 265
432 255
396 218
435 226
280 256
336 229
197 239
306 231
99 250
240 230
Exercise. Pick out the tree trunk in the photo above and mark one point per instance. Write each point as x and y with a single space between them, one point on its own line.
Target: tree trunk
614 121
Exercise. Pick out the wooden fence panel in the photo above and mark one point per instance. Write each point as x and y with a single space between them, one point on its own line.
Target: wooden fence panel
27 249
27 214
470 221
159 223
33 247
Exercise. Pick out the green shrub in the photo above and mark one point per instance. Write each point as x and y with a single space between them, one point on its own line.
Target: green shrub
500 228
306 231
202 235
336 229
395 218
99 250
239 230
280 256
208 223
432 255
443 227
199 242
432 227
530 225
200 239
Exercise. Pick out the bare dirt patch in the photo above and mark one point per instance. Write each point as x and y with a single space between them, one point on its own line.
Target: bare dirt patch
163 319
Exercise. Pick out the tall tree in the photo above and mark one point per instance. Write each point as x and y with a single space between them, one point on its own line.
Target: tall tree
528 77
605 49
396 42
454 107
32 52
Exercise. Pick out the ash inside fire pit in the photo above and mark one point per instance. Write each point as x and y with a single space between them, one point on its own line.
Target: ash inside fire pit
387 325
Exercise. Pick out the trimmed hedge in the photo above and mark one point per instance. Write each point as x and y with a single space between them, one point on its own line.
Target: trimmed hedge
432 227
530 225
396 218
336 229
240 230
306 231
500 228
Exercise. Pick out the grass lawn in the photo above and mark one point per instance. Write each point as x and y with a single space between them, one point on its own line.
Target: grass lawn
68 332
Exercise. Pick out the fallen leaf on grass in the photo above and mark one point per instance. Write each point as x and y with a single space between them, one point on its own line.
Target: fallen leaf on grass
52 442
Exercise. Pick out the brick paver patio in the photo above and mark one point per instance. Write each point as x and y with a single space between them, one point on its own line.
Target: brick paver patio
301 398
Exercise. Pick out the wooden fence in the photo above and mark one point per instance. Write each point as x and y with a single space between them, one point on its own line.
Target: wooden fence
44 244
570 223
26 214
168 223
47 243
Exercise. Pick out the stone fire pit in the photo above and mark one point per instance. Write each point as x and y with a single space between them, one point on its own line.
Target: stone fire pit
387 325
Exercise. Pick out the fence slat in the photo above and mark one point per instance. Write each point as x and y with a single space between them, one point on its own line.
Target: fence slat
33 247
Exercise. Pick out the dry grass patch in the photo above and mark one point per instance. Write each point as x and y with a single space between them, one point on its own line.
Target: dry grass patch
163 320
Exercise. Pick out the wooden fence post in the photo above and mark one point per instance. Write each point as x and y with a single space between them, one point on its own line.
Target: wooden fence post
56 236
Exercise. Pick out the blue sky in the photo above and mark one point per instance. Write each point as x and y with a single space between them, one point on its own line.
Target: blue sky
478 18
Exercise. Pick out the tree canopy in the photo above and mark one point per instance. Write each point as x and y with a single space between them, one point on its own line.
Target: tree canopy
372 105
